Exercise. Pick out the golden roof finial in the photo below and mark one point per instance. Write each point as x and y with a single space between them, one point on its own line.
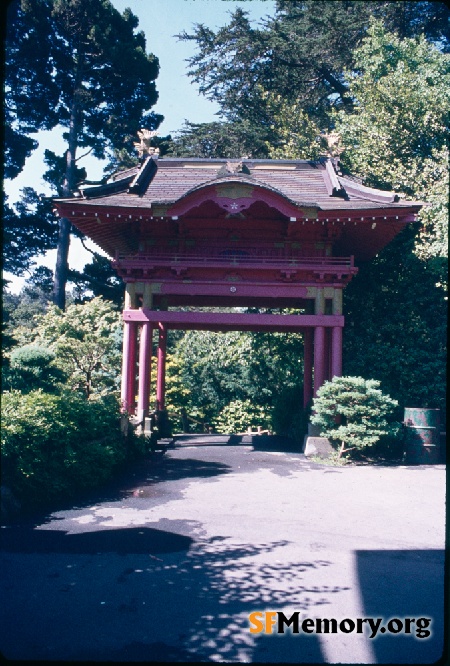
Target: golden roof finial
335 147
144 147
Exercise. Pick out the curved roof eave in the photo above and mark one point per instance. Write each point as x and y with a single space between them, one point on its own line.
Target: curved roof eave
192 198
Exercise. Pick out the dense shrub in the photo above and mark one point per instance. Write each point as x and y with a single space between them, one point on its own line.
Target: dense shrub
86 342
54 446
239 415
229 379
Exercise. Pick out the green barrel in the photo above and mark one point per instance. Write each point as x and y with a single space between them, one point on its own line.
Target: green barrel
422 436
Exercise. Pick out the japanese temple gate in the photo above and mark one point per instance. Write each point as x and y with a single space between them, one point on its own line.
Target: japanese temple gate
234 233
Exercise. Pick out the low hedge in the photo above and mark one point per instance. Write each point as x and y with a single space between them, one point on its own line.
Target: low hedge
54 446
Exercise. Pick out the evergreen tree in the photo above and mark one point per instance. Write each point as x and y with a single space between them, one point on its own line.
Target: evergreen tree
220 139
101 79
29 229
395 326
30 90
98 278
396 138
300 53
352 411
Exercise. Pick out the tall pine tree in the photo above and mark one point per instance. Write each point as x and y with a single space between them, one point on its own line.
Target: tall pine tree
300 54
93 66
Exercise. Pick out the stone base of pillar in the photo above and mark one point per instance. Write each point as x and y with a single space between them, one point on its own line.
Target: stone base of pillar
147 426
140 421
317 446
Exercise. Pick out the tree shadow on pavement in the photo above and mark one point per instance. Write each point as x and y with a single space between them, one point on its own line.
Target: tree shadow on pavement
170 468
141 476
104 596
123 541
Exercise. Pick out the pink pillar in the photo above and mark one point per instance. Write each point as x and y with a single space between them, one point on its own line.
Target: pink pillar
161 378
319 358
127 394
327 354
145 359
336 351
307 366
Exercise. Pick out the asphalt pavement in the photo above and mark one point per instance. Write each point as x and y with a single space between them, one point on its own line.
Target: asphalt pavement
167 564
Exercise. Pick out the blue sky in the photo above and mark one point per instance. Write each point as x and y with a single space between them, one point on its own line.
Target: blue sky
178 101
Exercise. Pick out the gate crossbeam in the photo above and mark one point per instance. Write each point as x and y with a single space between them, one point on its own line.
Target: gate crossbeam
231 321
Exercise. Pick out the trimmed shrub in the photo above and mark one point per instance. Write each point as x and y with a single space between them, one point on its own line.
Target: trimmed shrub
352 412
33 367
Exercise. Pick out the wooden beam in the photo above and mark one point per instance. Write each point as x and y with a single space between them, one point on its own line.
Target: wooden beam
232 321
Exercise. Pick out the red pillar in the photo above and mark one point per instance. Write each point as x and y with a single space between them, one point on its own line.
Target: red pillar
307 366
161 378
336 351
129 367
327 354
145 359
319 358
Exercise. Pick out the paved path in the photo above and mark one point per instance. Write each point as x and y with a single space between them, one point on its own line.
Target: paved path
168 566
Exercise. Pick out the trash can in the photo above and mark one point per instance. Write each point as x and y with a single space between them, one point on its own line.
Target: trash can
422 436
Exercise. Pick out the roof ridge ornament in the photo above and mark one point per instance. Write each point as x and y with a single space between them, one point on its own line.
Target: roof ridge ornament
144 147
144 176
233 168
334 144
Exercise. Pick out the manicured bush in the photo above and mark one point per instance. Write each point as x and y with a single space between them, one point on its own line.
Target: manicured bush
54 446
32 367
353 412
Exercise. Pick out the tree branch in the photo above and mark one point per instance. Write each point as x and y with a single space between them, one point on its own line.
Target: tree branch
93 252
85 154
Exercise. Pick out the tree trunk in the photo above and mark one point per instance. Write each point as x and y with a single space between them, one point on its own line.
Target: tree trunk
62 255
62 264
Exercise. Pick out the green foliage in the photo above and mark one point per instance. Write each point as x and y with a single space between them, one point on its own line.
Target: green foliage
32 357
211 369
41 279
396 326
177 393
218 374
288 418
90 38
97 278
239 415
300 53
60 58
396 137
334 459
432 240
31 94
220 139
20 310
86 342
32 367
297 136
54 446
353 411
19 245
